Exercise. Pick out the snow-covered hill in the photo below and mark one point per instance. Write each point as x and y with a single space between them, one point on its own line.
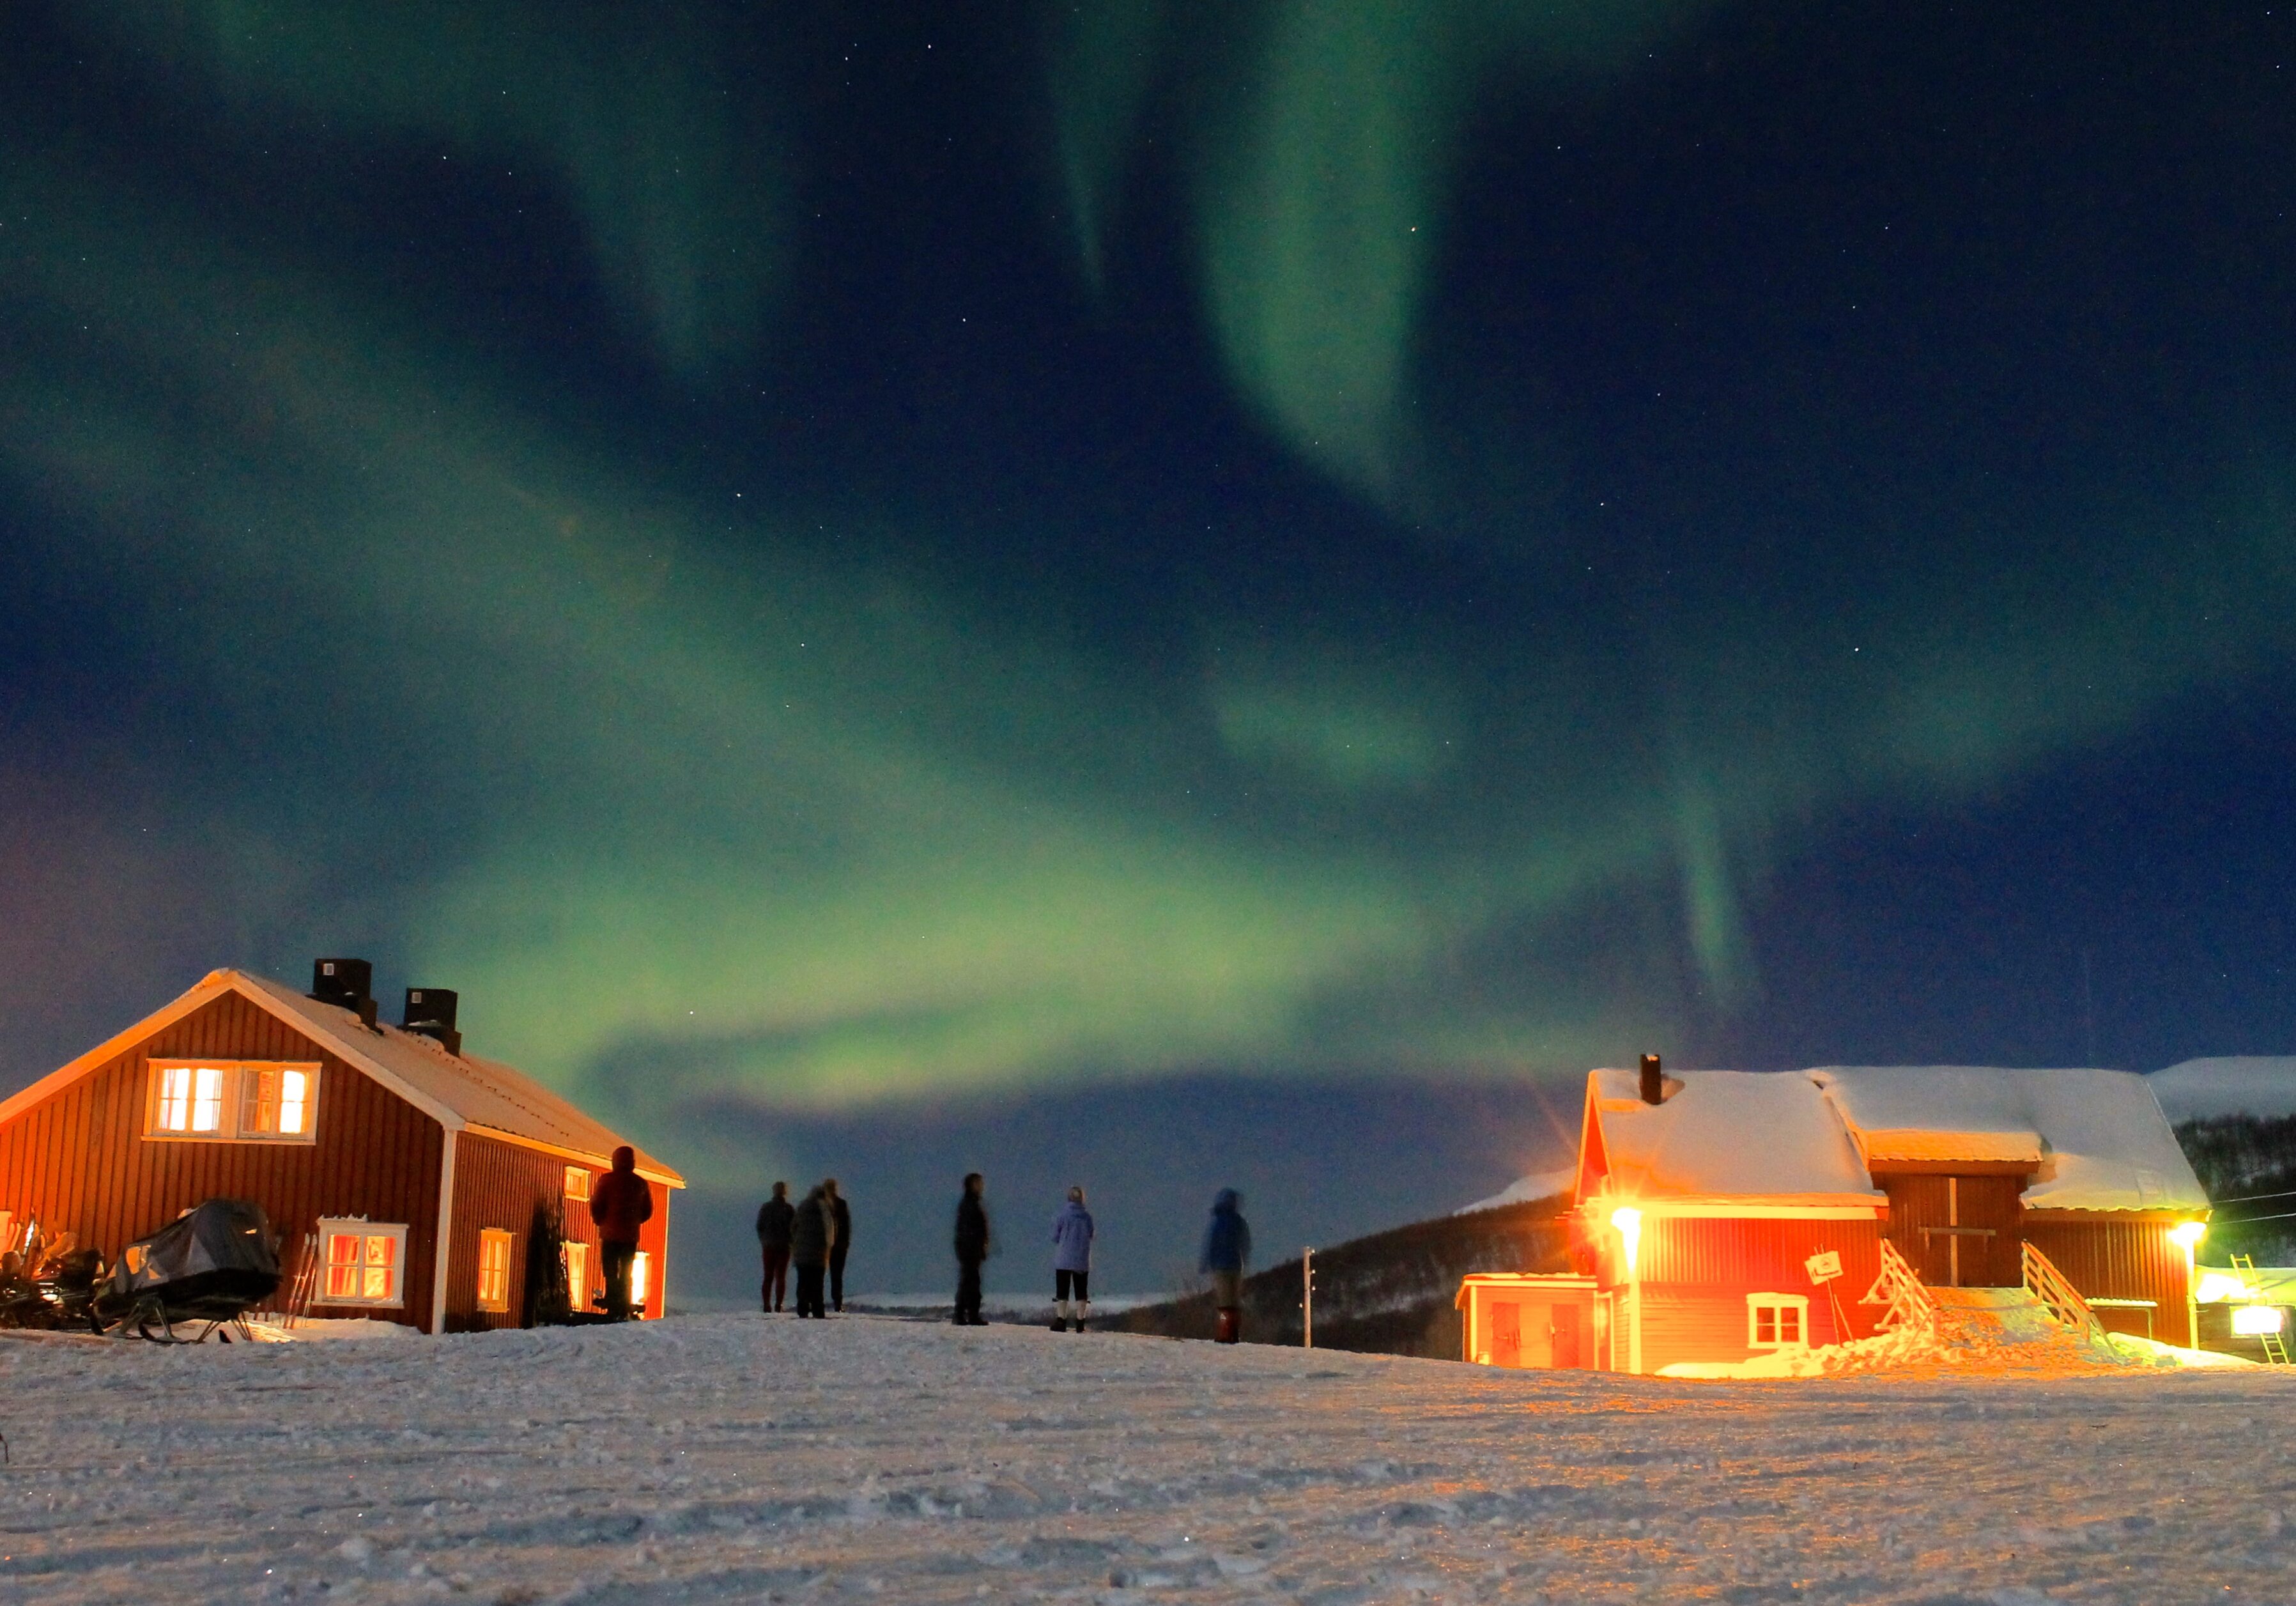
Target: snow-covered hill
740 1458
2258 1085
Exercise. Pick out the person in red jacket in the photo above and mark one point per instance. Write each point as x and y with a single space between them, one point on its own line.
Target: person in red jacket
620 1204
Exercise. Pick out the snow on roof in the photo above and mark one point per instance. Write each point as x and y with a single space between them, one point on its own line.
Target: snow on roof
2097 1138
1737 1134
485 1093
2261 1084
1524 1190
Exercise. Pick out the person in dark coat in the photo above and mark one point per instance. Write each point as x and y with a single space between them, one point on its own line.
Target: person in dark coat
620 1204
774 1218
1072 1262
971 1249
1227 1249
811 1232
840 1239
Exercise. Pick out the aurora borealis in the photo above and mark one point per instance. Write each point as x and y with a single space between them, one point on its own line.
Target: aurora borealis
837 568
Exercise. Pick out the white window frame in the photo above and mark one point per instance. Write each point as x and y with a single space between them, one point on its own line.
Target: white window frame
186 1088
574 1255
333 1226
1776 1304
577 1184
496 1301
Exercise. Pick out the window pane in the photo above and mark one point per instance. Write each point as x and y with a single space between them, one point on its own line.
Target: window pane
1788 1324
381 1249
294 1089
175 1099
378 1280
640 1265
1766 1324
207 1099
343 1264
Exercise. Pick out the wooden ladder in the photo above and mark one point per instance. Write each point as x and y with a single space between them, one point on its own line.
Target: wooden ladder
2275 1344
2047 1284
1897 1288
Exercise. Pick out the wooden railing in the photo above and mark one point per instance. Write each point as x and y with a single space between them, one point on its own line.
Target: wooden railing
1909 1303
2047 1284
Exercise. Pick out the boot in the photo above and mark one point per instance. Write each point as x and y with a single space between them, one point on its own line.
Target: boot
1231 1325
1060 1318
1084 1315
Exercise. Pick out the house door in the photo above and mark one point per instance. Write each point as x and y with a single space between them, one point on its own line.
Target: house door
1564 1330
1958 1231
1507 1335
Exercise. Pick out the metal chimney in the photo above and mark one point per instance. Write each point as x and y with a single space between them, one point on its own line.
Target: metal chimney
347 984
1653 1082
430 1012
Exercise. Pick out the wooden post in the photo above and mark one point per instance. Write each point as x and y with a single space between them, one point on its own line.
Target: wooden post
1307 1298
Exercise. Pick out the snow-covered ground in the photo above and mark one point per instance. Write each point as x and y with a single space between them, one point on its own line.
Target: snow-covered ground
741 1458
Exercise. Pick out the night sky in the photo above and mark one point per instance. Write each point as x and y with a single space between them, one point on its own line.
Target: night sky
1152 593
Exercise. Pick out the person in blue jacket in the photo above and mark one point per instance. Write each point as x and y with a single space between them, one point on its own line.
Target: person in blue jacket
1227 1249
1072 1263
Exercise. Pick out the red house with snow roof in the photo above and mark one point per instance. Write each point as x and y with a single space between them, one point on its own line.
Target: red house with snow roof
421 1179
1724 1214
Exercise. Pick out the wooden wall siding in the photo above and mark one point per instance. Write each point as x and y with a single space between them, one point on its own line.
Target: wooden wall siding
1706 1324
499 1184
79 1160
1746 1255
2110 1259
1985 1201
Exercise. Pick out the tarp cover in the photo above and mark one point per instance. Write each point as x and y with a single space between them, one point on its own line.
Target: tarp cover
223 1248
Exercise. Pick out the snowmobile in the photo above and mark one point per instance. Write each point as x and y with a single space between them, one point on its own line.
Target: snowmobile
60 1293
212 1264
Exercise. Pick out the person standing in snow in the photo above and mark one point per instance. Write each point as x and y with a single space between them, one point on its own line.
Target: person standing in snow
774 1218
1073 1261
620 1204
1227 1249
971 1249
812 1230
840 1239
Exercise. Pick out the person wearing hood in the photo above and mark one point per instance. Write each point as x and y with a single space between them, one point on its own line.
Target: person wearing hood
971 1249
1072 1262
774 1217
1227 1249
812 1231
621 1204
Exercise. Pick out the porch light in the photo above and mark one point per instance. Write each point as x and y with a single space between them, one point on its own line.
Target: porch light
2185 1234
1630 1223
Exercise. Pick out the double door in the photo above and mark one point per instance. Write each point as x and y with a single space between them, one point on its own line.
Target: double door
1958 1231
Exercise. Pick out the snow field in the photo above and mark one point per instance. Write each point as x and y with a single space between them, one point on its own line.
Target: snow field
743 1458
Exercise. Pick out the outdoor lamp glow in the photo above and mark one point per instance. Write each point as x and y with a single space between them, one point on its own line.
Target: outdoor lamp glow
2254 1321
2187 1233
1630 1223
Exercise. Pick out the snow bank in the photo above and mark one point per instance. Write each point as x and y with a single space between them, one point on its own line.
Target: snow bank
2256 1084
728 1459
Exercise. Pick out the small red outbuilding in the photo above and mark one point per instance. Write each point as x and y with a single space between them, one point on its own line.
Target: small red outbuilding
420 1178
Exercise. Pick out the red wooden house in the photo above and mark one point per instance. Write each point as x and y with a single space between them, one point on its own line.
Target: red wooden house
425 1179
1722 1215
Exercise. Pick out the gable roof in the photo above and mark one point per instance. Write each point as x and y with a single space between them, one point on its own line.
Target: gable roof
2096 1138
1749 1137
462 1092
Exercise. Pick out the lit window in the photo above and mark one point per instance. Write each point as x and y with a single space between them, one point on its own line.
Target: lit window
576 1259
640 1278
577 1184
365 1263
494 1269
175 1114
1777 1321
228 1100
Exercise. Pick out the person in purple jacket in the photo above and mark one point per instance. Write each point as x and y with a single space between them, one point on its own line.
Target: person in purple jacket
1072 1263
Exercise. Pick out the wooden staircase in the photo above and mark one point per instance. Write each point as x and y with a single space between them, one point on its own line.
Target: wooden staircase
2047 1284
1897 1287
2275 1344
